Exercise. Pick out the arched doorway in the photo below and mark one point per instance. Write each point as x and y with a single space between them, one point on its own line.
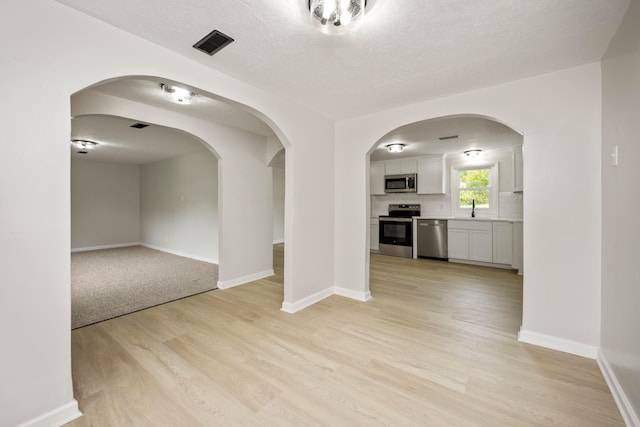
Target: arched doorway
237 137
438 155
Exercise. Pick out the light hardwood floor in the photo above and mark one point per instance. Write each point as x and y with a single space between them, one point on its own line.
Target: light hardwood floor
436 346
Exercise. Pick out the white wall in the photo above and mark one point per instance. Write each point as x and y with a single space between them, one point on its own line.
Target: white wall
105 203
559 114
179 205
278 204
620 206
35 209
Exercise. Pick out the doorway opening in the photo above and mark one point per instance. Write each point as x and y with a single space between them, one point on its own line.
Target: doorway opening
241 143
468 182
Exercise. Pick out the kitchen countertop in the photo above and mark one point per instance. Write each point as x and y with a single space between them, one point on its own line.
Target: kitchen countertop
451 218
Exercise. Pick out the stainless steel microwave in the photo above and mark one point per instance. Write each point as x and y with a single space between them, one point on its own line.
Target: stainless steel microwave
405 183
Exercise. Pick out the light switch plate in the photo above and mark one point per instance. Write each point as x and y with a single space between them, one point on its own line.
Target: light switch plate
614 156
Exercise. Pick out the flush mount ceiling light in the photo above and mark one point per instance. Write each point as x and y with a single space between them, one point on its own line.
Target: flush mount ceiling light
83 145
336 16
395 148
178 94
472 153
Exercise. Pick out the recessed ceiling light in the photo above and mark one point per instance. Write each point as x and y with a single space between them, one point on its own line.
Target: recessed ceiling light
395 148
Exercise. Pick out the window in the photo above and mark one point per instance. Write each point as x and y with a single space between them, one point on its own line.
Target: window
474 184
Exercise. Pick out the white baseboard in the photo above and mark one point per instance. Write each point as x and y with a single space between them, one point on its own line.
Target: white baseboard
306 302
481 263
245 279
348 293
624 404
178 253
319 296
57 417
97 248
560 344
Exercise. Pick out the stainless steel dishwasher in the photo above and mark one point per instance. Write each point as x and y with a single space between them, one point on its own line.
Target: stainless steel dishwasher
432 238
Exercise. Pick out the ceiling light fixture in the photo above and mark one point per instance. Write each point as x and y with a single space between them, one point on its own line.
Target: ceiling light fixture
336 16
83 145
472 153
395 148
178 94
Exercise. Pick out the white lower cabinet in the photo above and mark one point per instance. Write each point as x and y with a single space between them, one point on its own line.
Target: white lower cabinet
481 245
470 240
458 241
503 243
517 262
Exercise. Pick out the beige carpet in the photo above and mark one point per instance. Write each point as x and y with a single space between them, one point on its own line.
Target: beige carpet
111 282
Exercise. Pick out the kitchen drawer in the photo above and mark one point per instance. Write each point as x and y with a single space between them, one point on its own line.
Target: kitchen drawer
470 225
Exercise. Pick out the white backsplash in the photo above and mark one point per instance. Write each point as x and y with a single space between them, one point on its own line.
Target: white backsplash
440 205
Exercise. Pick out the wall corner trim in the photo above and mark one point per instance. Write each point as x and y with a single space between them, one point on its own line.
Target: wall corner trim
560 344
294 307
56 417
348 293
244 279
629 416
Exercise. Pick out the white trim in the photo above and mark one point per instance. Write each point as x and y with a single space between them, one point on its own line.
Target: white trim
178 253
624 404
96 248
348 293
245 279
277 242
291 308
319 296
482 263
56 417
560 344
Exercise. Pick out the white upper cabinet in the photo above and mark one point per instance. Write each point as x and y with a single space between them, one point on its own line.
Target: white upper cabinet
376 183
517 170
400 166
431 175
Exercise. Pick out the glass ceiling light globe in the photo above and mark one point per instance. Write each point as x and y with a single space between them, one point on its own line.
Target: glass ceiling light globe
395 148
336 16
178 94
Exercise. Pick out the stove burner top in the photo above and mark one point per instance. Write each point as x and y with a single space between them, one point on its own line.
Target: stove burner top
404 211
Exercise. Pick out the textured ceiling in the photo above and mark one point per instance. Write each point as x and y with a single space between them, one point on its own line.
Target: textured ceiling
404 52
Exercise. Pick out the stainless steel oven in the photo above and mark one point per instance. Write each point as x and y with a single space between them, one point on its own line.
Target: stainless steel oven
396 230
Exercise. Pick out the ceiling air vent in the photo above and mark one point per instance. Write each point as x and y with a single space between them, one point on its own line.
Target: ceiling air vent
139 125
444 138
213 42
